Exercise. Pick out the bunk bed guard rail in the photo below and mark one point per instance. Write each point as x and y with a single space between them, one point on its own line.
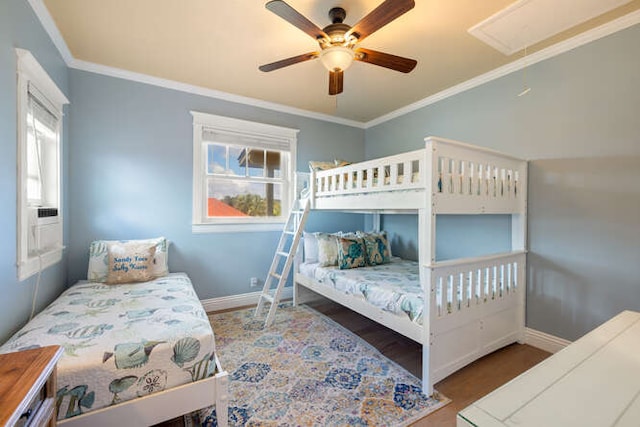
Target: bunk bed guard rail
477 305
462 178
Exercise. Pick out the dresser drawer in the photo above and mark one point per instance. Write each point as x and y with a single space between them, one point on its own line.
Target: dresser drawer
28 387
32 409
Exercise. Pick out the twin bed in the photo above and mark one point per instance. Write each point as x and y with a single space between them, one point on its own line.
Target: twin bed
134 354
459 310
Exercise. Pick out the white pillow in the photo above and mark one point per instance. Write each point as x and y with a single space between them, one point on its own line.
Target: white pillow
310 247
99 258
327 249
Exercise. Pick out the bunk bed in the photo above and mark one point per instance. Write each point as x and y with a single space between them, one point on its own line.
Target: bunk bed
471 306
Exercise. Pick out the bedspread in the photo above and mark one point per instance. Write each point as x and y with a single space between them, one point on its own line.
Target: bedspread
122 341
393 287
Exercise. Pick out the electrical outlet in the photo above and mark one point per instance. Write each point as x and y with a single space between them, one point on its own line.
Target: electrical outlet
253 282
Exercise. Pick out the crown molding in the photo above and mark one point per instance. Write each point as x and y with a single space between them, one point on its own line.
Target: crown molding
210 93
604 30
50 27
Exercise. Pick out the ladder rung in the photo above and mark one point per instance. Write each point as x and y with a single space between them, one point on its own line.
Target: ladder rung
289 232
284 254
276 275
267 297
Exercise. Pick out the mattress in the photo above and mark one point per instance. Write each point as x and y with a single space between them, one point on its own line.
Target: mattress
122 341
393 287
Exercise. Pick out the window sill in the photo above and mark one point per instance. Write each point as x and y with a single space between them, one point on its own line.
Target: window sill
236 228
33 264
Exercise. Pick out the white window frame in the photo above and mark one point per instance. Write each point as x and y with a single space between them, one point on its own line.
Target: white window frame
31 74
260 131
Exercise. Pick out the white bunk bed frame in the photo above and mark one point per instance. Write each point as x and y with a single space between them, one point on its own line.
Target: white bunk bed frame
475 305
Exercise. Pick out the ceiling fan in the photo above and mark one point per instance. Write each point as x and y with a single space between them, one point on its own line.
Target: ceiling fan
338 41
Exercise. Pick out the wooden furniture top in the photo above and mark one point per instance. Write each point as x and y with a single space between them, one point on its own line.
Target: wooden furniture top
22 375
593 382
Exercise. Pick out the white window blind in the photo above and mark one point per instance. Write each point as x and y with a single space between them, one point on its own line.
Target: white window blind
240 139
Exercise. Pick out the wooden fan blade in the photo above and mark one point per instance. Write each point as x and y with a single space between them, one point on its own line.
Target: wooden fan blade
289 61
295 18
380 16
335 82
386 60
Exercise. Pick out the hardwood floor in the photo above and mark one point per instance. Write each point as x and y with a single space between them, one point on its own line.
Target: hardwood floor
463 387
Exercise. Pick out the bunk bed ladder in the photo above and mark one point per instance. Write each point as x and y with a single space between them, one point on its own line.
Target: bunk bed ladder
283 259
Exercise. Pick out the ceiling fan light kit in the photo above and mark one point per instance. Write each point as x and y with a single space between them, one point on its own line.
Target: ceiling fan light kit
337 58
337 41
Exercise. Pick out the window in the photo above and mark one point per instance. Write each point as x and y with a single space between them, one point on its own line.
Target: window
39 214
243 174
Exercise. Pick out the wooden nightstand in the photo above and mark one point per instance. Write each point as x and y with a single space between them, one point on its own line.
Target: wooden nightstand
28 387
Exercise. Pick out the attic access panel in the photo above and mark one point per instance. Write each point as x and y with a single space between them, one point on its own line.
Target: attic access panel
527 22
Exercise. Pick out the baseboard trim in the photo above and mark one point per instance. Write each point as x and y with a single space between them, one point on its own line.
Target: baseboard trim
541 340
237 301
544 341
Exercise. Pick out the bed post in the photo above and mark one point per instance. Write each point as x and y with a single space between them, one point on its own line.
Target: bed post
426 245
312 189
222 398
519 243
375 218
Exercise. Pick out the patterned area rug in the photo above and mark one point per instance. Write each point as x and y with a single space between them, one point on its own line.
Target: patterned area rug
306 370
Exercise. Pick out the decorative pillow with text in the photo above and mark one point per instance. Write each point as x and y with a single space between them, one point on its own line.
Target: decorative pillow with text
99 258
130 262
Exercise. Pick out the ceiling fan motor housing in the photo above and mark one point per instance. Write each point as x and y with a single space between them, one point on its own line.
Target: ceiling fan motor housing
336 30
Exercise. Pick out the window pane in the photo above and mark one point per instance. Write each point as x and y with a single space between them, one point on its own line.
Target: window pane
255 161
216 158
236 163
240 198
34 178
274 164
42 158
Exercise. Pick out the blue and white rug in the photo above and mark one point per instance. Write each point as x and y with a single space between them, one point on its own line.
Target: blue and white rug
306 370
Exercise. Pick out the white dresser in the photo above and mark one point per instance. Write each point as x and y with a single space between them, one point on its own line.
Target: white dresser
593 382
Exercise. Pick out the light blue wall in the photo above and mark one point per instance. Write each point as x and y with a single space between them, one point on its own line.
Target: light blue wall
130 173
580 128
19 27
457 236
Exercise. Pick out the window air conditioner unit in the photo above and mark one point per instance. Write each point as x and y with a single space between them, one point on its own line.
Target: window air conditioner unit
45 230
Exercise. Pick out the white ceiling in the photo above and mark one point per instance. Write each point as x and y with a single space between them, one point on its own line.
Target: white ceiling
218 45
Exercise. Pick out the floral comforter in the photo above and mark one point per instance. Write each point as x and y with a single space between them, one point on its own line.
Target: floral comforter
122 341
393 287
